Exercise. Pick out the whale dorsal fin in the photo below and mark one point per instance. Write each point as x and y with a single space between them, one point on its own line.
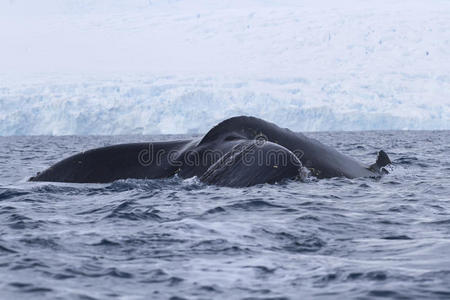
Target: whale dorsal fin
382 161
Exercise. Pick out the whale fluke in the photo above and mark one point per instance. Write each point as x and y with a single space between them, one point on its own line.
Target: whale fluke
240 151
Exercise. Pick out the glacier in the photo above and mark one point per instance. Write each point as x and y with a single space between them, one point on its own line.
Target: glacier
163 67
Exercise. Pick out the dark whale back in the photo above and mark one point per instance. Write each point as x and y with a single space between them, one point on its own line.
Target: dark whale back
322 160
250 163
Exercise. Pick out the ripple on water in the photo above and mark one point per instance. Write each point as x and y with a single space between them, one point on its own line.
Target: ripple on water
30 288
129 211
10 193
253 204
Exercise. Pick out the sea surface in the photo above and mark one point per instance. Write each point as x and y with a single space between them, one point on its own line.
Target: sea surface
335 238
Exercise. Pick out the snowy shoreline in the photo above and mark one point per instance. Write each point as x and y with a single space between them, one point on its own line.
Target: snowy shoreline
151 67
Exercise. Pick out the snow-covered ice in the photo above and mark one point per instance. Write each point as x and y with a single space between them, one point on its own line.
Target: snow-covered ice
123 67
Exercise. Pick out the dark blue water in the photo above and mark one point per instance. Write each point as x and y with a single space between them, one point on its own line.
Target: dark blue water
179 239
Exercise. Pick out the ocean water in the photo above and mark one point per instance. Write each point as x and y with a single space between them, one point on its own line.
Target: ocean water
180 239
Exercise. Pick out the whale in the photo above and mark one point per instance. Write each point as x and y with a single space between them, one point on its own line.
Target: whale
240 151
